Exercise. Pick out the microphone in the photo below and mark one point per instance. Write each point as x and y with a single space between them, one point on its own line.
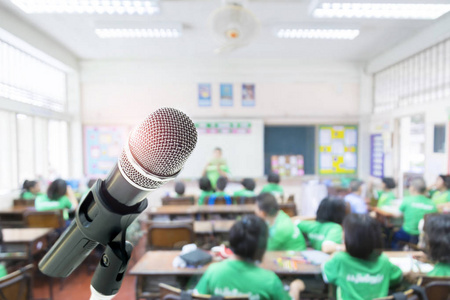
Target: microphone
154 154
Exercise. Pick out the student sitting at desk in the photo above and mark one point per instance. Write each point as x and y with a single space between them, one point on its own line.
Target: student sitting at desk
31 189
180 187
283 234
363 272
437 239
325 233
386 195
355 199
59 196
440 194
240 275
221 185
273 186
249 188
414 208
206 188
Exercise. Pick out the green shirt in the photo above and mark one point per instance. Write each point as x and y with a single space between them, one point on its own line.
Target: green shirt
385 198
359 279
318 232
439 197
236 277
440 270
244 193
273 188
414 208
203 195
3 271
213 174
43 203
284 235
27 195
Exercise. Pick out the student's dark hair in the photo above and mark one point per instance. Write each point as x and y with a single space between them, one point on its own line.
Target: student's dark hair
57 189
204 184
180 188
446 179
355 185
249 184
419 185
28 184
248 238
218 149
437 229
268 204
331 210
389 182
363 237
221 183
273 178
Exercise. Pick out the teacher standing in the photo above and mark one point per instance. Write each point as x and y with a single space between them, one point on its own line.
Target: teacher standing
216 167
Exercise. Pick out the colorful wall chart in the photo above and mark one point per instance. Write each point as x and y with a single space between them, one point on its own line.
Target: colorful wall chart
377 155
248 94
204 94
223 127
338 148
226 94
287 165
102 147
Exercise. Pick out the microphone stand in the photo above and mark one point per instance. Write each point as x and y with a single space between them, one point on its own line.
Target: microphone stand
109 274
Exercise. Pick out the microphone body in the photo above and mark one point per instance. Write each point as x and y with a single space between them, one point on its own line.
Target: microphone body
162 144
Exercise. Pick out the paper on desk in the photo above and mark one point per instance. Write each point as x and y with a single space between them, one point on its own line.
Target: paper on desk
408 264
315 257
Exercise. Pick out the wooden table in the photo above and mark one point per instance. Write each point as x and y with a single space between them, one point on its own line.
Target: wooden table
13 216
23 243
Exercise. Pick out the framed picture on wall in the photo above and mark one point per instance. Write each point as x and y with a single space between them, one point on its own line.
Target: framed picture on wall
204 94
226 94
248 94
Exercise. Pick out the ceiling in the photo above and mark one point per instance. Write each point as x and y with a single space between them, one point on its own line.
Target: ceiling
76 33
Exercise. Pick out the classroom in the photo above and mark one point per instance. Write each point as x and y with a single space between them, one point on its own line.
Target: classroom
225 149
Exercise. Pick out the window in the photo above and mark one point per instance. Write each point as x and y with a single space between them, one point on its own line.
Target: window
439 139
58 150
8 152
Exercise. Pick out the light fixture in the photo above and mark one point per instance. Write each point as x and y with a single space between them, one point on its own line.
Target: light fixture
129 33
379 10
121 7
309 33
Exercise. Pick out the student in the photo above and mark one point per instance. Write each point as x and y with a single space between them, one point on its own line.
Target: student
179 189
216 167
437 237
59 196
221 185
273 186
249 188
362 272
414 208
206 188
240 275
355 199
325 233
31 189
385 196
441 193
283 234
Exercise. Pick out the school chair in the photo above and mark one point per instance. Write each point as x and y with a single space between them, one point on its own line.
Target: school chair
243 200
169 235
44 219
218 201
289 208
17 285
185 200
168 292
437 288
23 202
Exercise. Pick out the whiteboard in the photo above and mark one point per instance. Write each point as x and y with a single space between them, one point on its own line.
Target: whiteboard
243 152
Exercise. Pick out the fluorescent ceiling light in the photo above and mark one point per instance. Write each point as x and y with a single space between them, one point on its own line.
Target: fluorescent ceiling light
337 34
127 33
380 10
121 7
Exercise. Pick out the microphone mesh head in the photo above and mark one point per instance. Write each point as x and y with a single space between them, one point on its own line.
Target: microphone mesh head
160 145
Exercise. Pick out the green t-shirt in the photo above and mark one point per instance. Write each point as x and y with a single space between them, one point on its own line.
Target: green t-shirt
385 198
27 195
235 277
439 197
244 193
284 235
440 270
318 232
414 208
203 196
43 203
359 279
213 174
3 271
273 188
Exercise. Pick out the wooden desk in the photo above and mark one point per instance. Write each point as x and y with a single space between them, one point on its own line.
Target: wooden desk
23 243
213 226
13 216
202 211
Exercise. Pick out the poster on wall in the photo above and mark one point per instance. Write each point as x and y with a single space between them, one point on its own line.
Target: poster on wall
248 94
226 94
102 147
377 155
287 165
204 94
338 146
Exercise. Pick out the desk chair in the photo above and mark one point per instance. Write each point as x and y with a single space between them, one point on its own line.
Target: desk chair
290 209
243 200
437 288
168 292
23 202
169 235
17 285
185 200
44 219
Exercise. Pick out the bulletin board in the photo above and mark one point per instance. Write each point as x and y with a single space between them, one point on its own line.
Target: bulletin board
288 165
338 149
102 147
